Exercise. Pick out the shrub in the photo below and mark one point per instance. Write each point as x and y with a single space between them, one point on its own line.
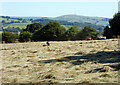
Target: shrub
9 37
25 36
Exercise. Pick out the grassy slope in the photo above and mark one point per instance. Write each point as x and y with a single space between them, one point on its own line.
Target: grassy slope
62 62
9 20
70 18
77 18
20 25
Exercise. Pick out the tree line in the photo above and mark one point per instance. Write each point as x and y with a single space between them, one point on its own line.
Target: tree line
12 29
54 31
66 23
113 31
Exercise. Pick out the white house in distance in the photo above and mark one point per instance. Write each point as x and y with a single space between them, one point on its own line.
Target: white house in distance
101 37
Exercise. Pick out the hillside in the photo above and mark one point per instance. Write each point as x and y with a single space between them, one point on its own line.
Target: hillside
18 23
95 61
69 24
13 24
84 19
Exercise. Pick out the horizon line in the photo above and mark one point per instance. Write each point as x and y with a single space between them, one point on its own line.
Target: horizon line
56 16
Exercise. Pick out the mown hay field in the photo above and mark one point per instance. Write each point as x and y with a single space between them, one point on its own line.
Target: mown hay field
94 61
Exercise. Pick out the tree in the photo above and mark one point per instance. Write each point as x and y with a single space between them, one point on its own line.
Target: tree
3 21
51 31
115 24
72 32
33 27
25 36
62 33
12 21
12 29
24 21
108 32
9 37
87 32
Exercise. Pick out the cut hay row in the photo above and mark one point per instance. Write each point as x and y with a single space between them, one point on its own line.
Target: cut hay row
92 61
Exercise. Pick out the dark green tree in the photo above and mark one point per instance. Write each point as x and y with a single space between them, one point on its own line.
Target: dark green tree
108 32
61 33
9 37
25 36
33 27
115 24
51 31
87 32
72 32
3 21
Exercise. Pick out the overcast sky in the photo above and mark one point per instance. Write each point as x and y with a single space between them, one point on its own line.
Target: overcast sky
54 8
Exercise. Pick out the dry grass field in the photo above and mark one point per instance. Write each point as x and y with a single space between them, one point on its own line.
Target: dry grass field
94 61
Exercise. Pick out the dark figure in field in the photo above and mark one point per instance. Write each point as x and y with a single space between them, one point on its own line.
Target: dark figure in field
47 43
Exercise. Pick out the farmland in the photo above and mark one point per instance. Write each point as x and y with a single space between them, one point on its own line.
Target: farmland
80 21
95 61
14 23
20 25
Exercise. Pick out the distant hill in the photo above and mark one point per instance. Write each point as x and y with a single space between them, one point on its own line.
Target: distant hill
19 23
84 19
69 24
29 18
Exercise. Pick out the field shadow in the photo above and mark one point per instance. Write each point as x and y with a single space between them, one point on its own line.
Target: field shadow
100 57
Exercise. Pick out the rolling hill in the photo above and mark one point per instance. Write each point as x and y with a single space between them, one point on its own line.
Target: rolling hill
98 23
84 19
